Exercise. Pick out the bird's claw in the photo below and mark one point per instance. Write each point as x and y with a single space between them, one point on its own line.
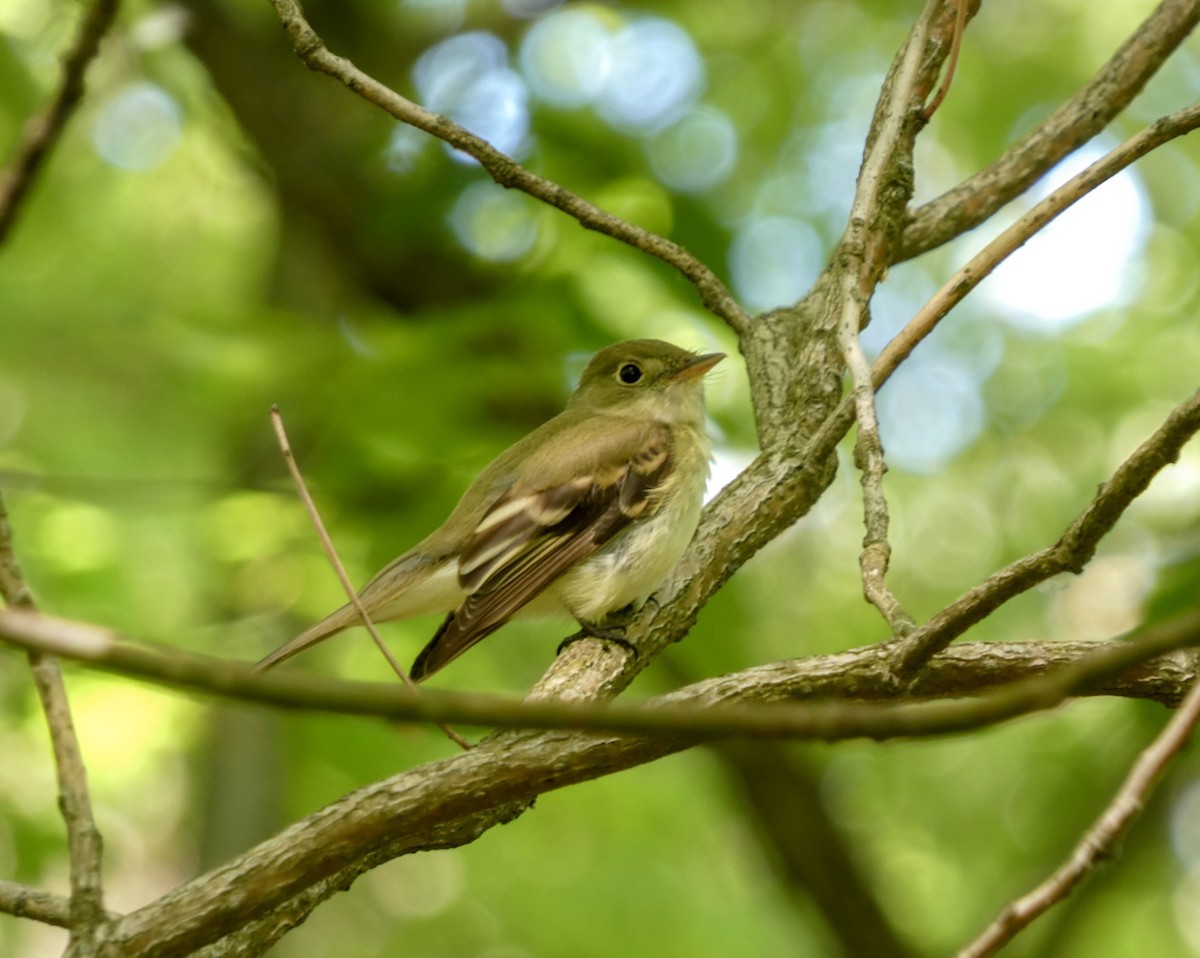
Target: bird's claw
589 631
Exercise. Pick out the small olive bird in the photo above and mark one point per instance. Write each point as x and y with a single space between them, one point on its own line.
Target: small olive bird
588 514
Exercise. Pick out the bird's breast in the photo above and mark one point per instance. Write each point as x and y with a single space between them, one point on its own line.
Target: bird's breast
637 561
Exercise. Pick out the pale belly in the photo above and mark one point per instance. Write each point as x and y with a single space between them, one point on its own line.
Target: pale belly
628 569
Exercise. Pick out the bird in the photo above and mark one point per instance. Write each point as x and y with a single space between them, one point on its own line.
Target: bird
588 514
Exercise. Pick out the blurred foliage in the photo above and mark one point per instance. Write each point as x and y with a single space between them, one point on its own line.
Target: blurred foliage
221 230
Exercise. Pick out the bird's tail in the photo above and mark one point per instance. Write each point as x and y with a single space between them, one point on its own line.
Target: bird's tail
330 625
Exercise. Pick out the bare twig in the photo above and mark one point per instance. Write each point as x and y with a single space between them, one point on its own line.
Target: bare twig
21 901
1069 554
868 456
860 263
792 355
1100 841
1079 119
452 801
314 515
13 588
987 259
861 674
83 838
42 131
504 169
960 27
876 552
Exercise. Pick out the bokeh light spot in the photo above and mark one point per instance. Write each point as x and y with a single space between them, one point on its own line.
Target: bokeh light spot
696 152
773 260
1187 909
78 537
566 57
1185 826
493 223
436 14
467 78
929 412
1105 600
1082 261
404 146
445 71
12 410
138 128
528 8
656 75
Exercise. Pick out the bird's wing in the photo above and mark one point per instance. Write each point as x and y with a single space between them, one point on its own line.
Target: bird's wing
545 526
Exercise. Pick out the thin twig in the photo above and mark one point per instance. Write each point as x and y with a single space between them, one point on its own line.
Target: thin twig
986 260
868 450
21 901
448 803
13 587
868 457
1070 553
773 492
960 27
505 170
860 264
314 515
83 838
750 703
1076 121
42 131
1100 841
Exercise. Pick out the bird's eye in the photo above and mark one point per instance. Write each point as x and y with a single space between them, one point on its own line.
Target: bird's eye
630 373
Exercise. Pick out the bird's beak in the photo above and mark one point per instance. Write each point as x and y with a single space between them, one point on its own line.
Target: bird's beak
698 366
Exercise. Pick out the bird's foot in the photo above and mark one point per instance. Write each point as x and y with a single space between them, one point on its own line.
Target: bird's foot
587 630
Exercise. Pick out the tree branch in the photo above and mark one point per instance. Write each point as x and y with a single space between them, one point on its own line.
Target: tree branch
883 190
83 838
452 801
1070 553
1122 78
862 673
22 901
504 169
42 131
1100 841
750 703
956 289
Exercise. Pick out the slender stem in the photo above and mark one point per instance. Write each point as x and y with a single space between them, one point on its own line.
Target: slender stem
1091 110
751 704
1100 841
860 263
505 170
314 515
83 838
960 27
42 131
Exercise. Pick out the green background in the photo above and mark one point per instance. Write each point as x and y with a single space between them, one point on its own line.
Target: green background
270 251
